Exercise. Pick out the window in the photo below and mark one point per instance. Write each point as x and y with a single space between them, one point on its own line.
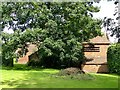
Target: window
91 48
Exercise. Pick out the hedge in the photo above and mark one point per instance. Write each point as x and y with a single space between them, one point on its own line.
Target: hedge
113 57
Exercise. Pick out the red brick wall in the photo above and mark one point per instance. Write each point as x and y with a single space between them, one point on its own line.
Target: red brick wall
23 60
96 61
98 57
31 49
95 68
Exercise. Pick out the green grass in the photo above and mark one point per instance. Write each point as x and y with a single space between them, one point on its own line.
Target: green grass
43 78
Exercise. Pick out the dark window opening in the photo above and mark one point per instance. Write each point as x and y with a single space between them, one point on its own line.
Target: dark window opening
91 49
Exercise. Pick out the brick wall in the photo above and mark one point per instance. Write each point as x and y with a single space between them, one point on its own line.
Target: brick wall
96 55
23 60
95 68
31 49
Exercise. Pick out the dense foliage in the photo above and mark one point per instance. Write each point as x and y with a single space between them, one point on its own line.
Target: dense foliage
114 58
58 29
0 51
9 45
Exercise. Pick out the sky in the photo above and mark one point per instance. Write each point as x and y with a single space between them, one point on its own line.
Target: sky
106 10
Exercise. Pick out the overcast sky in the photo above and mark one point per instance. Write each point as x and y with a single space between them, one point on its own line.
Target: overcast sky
107 9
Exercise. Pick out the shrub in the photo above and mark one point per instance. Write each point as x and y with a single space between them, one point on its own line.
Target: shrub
113 57
21 67
7 58
34 63
73 73
70 71
8 62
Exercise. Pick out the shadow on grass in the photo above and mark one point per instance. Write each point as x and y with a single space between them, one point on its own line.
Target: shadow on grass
24 67
28 79
41 79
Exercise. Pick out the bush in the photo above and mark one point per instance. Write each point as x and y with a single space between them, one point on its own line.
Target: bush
70 71
51 62
73 73
7 58
113 57
7 62
21 67
34 63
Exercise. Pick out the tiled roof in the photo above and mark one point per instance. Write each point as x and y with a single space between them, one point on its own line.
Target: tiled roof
99 39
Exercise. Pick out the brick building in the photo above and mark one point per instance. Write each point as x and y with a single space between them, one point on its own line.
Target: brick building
32 48
95 52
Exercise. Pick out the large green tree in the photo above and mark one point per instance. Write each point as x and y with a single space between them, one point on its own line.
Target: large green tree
57 28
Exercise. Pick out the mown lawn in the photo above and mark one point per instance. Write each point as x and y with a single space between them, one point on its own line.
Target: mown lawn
43 79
